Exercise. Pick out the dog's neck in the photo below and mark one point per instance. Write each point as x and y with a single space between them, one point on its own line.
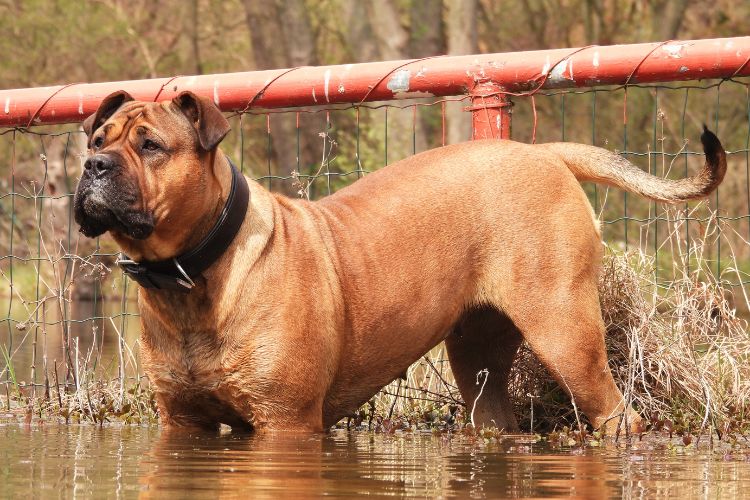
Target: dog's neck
175 237
221 175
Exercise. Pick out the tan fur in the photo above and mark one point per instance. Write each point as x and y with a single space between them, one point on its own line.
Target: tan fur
589 163
317 305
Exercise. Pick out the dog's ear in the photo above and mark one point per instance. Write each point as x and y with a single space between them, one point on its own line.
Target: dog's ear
107 108
207 119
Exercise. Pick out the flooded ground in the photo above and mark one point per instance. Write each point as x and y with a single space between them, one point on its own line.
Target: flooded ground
126 462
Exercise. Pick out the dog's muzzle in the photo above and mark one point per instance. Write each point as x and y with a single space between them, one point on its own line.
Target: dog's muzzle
100 165
107 199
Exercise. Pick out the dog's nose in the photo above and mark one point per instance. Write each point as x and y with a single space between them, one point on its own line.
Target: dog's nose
99 164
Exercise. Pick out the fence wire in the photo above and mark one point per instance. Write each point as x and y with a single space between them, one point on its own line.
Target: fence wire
65 307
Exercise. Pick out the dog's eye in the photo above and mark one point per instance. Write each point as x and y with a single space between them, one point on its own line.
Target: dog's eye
150 145
98 142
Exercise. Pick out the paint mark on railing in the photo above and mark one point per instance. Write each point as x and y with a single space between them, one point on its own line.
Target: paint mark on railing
557 75
674 50
545 68
399 82
326 81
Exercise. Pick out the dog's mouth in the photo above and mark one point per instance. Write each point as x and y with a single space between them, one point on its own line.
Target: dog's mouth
101 205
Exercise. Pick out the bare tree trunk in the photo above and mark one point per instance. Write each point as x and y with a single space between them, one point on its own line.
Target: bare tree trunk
359 35
282 36
195 36
298 33
392 38
668 16
462 40
266 37
427 38
404 133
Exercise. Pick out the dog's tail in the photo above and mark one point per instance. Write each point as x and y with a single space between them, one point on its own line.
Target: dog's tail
589 163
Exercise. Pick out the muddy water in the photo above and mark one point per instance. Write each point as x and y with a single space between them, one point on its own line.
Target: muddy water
128 462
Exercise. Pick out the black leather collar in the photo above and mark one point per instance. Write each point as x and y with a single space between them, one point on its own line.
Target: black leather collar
180 272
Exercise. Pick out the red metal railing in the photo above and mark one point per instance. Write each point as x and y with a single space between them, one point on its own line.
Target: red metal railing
488 78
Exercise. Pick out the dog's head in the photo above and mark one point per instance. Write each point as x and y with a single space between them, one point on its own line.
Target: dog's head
149 165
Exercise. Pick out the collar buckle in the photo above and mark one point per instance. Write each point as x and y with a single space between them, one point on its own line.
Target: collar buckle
148 278
187 282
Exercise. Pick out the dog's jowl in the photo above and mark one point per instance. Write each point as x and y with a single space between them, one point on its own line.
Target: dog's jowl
265 312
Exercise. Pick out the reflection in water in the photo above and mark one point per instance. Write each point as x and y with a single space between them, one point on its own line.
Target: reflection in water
126 462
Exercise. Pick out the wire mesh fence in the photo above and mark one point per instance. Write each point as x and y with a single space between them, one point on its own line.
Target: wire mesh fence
69 313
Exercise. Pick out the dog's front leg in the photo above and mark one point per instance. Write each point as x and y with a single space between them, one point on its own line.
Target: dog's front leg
285 416
177 414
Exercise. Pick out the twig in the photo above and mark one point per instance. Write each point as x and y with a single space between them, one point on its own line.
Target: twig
572 398
393 405
486 374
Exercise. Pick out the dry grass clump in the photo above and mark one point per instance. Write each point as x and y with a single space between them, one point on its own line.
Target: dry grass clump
680 353
95 401
425 397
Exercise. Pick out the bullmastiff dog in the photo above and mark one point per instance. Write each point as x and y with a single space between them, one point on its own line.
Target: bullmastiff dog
265 312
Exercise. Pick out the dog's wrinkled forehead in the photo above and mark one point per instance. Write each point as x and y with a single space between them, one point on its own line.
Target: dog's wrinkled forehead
149 114
121 121
187 120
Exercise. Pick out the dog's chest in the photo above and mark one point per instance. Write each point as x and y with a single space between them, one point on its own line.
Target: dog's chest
189 363
191 379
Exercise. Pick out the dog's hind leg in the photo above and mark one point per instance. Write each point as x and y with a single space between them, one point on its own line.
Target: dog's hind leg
564 328
485 339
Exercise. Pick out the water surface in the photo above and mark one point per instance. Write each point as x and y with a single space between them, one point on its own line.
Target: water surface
80 461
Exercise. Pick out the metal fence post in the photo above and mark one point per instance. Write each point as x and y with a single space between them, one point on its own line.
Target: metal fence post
490 112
